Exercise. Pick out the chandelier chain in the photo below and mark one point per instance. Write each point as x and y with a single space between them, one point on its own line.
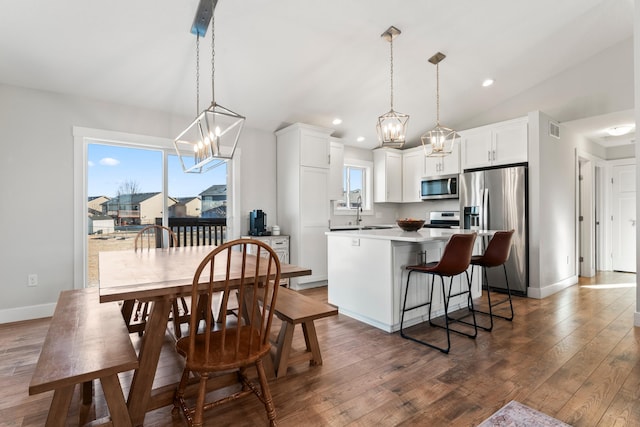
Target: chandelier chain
197 74
391 43
213 54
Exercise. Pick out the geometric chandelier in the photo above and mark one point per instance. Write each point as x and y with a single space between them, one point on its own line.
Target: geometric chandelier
392 126
438 142
211 139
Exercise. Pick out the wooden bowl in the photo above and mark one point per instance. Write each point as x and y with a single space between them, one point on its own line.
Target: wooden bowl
410 224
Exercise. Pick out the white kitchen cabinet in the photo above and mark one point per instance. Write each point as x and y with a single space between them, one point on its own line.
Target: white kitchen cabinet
336 169
387 175
413 169
303 197
496 144
446 165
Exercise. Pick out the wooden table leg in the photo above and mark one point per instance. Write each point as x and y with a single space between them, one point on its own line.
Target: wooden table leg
142 383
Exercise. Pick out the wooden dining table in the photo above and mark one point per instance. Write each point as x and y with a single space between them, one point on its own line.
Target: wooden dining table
159 276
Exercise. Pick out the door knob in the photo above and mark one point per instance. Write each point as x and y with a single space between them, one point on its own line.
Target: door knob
633 222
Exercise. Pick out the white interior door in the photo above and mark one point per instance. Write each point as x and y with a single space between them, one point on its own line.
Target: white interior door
624 218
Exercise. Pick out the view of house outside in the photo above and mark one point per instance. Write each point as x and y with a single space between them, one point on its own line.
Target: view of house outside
124 186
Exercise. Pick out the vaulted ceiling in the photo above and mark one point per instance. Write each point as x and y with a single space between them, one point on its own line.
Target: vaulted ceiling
283 61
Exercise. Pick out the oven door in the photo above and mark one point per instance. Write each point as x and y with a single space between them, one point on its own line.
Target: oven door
439 187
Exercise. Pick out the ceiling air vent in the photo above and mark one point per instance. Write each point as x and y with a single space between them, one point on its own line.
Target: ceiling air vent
554 130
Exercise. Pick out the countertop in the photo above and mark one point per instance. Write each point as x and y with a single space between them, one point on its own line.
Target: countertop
397 234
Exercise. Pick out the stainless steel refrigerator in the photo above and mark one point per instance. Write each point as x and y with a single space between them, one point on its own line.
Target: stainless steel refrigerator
496 199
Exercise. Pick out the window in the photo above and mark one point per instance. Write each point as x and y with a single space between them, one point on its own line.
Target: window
356 187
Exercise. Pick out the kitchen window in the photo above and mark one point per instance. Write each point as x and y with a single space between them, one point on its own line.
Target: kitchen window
356 187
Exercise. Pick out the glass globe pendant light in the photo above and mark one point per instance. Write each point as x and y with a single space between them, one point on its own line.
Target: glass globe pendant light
211 139
438 142
392 126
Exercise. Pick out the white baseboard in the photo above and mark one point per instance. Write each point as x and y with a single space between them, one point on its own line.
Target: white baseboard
548 290
27 313
308 285
636 318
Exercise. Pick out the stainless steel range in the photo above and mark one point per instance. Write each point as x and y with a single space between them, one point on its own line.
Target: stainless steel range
443 219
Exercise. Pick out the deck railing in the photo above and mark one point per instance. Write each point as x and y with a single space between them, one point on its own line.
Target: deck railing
198 231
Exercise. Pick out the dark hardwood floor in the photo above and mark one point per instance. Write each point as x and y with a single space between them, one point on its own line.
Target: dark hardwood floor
574 356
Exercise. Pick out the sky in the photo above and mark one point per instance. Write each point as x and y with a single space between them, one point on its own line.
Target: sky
110 166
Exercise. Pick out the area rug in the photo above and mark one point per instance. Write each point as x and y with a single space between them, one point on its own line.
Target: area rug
515 414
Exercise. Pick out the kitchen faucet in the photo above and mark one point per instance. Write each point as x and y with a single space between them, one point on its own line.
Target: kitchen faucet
358 210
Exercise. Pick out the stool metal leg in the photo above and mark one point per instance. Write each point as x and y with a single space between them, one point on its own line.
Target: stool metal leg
405 309
494 304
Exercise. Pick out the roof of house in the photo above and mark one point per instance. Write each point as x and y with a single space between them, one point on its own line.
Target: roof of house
215 190
132 198
185 200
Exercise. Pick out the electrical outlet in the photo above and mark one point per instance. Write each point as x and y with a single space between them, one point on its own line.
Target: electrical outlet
32 280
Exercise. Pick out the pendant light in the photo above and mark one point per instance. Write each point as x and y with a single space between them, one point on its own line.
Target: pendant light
211 138
438 142
392 126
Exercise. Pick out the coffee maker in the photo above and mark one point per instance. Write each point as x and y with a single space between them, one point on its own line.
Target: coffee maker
258 223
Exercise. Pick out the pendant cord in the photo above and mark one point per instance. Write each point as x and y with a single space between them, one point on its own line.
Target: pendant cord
197 74
391 43
213 54
438 94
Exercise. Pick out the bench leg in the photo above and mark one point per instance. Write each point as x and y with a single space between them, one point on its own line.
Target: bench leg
285 338
115 401
60 406
311 339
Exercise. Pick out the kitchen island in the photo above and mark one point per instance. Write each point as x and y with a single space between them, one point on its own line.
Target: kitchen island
367 277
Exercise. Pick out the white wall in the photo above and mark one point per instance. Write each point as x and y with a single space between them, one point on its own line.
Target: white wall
636 93
36 171
552 233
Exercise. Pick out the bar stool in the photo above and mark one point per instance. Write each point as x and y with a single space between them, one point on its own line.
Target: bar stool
496 255
454 261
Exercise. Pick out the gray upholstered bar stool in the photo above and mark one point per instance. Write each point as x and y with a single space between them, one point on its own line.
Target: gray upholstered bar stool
496 255
454 261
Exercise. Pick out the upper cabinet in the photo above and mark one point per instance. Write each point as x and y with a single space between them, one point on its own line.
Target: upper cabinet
336 166
387 175
413 169
496 144
446 165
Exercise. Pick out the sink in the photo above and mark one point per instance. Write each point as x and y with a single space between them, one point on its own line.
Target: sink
362 227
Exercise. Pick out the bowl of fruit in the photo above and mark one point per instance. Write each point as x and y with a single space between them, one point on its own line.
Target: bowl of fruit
410 224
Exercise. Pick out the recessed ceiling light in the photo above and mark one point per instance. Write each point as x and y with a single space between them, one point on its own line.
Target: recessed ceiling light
360 139
619 130
487 82
336 121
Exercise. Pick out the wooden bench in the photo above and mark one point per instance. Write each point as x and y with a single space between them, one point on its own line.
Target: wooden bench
86 340
294 308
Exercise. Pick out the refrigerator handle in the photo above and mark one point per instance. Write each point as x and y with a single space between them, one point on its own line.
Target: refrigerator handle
485 209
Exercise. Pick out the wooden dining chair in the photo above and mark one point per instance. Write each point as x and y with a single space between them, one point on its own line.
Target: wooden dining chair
152 237
232 343
454 261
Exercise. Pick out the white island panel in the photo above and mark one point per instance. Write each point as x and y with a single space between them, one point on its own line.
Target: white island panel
367 275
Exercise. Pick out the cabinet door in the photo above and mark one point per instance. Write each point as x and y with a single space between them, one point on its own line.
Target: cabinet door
413 163
510 142
336 171
476 148
451 163
314 222
433 166
387 176
314 150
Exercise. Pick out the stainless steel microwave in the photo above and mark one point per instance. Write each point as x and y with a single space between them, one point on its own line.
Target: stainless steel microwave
439 187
